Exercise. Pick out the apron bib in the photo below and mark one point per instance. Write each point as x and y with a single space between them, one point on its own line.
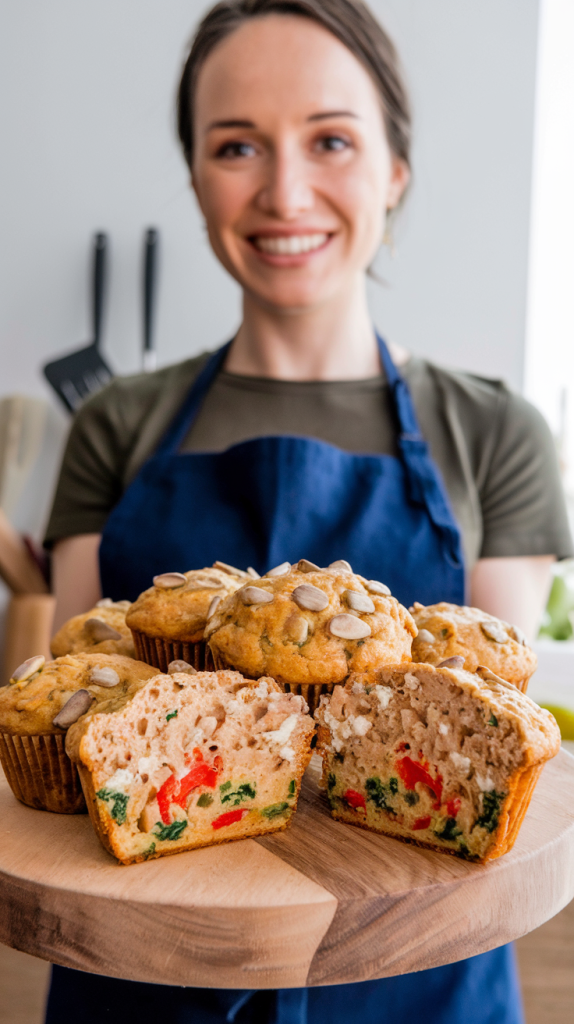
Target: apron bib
260 503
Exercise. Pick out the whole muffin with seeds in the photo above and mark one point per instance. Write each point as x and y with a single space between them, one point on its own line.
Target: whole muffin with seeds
102 630
450 630
309 628
167 621
42 700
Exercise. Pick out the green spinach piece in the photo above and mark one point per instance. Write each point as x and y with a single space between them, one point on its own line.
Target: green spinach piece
245 791
331 781
450 830
205 800
491 805
149 852
380 793
274 810
493 720
172 714
172 831
119 803
292 787
411 797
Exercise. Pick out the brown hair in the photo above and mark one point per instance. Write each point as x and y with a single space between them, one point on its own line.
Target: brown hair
350 21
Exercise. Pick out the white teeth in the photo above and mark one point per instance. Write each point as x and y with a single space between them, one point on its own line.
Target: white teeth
290 245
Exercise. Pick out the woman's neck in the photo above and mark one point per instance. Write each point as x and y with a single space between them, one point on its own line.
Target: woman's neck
334 342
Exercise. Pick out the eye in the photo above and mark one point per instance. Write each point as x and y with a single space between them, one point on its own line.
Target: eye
333 143
235 150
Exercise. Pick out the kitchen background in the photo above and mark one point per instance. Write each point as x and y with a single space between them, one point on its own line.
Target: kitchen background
485 242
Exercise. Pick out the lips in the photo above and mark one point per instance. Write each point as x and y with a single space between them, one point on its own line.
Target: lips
289 245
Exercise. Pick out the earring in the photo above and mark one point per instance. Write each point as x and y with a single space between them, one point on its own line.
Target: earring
388 235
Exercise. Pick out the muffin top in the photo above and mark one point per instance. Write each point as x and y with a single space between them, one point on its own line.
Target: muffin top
47 697
309 625
178 604
102 630
447 630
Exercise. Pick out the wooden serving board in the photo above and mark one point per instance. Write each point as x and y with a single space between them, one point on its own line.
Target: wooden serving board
320 904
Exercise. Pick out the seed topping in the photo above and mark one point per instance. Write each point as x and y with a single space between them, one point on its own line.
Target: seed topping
28 668
104 676
456 662
231 570
255 595
426 636
253 573
169 580
213 605
374 587
181 666
357 601
98 630
310 598
349 627
104 602
342 565
297 628
280 570
74 708
304 565
495 632
517 634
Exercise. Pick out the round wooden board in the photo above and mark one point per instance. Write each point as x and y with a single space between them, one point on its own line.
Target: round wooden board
320 904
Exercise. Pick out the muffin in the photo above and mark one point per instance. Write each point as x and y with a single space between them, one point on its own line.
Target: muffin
191 760
168 620
309 628
102 630
42 700
434 756
448 630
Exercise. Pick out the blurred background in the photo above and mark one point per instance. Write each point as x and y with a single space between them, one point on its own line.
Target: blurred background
482 277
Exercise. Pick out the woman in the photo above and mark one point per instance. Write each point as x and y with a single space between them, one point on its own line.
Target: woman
301 437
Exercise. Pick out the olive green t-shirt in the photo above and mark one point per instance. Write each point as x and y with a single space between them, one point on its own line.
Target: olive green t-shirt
494 450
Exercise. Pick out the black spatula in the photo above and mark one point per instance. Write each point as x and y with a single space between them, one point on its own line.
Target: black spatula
151 246
84 372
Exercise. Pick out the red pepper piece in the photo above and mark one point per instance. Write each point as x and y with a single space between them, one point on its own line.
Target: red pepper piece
412 772
354 799
165 797
421 823
229 818
176 791
453 806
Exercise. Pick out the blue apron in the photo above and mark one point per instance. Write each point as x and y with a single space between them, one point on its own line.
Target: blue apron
260 503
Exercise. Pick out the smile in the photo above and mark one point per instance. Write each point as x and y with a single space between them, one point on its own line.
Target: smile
289 245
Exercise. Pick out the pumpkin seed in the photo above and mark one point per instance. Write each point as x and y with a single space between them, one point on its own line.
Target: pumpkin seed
494 631
231 570
310 598
213 606
349 627
517 634
28 668
342 565
490 677
255 595
280 570
304 565
455 662
374 587
297 628
104 676
425 636
104 602
253 573
357 601
181 666
98 630
169 580
74 708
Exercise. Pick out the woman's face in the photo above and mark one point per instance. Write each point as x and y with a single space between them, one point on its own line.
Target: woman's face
292 167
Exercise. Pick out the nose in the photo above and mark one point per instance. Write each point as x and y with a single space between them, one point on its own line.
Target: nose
287 191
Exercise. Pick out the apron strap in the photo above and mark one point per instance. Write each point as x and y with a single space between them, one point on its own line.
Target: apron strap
182 422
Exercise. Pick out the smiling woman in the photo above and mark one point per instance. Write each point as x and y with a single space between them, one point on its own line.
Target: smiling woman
301 436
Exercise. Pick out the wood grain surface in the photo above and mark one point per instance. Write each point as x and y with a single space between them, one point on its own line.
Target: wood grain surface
322 903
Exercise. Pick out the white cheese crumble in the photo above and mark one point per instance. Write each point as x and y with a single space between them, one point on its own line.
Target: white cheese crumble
287 753
460 761
120 781
340 731
282 734
262 690
412 681
443 728
361 725
384 694
357 688
147 765
484 783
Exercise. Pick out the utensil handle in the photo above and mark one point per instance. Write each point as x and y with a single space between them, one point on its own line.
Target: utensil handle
99 283
149 294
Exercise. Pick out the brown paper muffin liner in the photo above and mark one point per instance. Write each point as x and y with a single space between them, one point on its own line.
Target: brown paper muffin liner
40 773
311 692
158 652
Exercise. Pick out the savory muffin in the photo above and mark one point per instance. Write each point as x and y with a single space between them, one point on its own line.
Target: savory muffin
434 756
309 628
191 760
167 621
102 630
41 701
448 630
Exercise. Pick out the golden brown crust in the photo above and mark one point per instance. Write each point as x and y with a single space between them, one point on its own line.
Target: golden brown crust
457 630
29 709
74 638
180 614
269 639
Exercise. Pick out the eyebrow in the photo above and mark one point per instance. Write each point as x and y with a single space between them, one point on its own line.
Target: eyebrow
239 123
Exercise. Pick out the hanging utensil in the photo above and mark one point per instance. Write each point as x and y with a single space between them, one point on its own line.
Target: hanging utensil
82 373
151 248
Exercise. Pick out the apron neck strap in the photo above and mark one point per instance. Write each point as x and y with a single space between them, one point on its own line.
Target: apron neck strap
180 426
400 397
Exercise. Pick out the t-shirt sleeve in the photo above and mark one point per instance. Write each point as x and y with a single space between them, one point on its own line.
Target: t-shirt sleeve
91 475
521 494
